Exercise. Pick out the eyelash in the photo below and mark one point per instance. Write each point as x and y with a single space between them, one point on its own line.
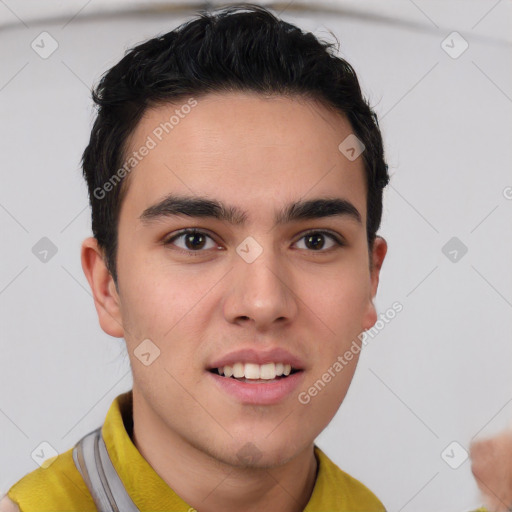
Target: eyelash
335 238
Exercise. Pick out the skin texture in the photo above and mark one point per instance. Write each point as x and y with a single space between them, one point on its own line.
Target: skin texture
491 464
257 153
7 505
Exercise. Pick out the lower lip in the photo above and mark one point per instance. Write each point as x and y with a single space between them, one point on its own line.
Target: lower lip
261 393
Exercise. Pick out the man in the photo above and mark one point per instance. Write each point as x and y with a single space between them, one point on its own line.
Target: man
235 176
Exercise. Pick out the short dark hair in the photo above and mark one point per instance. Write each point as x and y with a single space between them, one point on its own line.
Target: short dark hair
242 47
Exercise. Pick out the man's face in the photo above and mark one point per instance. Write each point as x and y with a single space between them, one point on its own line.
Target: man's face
236 291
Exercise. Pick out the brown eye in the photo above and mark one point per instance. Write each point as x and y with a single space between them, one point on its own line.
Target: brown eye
192 241
315 241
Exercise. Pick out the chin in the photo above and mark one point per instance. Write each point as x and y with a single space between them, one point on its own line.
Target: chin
260 453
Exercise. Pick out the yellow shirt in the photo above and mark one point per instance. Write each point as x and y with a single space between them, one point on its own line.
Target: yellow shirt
57 486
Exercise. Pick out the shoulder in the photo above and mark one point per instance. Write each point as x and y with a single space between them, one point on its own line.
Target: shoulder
359 495
338 488
56 485
7 505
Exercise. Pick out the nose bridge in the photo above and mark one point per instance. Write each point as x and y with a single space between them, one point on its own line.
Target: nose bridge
260 284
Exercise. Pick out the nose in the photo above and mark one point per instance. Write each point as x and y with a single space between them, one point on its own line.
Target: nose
260 292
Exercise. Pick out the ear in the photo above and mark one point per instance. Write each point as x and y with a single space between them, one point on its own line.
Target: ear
106 298
379 250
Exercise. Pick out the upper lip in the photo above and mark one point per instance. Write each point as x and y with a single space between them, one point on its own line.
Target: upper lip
276 355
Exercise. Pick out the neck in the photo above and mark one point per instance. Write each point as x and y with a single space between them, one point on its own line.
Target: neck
208 484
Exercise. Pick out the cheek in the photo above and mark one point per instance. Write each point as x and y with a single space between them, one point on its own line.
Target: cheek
165 306
153 296
327 387
342 298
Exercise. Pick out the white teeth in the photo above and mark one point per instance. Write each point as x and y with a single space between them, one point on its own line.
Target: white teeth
238 370
252 371
267 371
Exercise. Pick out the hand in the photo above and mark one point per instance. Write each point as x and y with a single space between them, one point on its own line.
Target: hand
491 464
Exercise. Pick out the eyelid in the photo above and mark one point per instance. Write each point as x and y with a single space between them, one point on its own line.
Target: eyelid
332 234
338 239
167 240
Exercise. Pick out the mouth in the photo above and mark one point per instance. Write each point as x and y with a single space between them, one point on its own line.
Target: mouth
254 384
253 373
253 377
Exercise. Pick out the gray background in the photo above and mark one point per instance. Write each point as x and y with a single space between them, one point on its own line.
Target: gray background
438 373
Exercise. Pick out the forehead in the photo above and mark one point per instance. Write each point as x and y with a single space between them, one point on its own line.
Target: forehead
243 146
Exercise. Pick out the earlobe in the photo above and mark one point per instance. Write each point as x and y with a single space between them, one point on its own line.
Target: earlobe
106 298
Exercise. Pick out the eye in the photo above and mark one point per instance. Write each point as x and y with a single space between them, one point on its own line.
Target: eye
192 240
315 240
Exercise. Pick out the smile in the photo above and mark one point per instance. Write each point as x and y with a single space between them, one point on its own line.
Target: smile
251 390
251 372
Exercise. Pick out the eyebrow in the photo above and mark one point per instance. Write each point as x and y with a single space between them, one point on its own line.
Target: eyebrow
199 207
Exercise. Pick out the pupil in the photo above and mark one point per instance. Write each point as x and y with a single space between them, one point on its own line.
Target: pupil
192 240
316 241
